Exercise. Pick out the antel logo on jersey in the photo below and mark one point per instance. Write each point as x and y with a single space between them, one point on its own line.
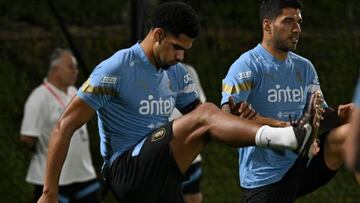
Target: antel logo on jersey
286 94
156 107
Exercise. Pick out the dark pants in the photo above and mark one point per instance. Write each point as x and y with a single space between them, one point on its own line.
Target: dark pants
302 178
192 185
84 192
151 175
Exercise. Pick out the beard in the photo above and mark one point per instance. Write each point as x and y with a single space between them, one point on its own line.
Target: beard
163 65
285 45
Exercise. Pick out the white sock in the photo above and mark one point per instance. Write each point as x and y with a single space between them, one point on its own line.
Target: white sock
278 138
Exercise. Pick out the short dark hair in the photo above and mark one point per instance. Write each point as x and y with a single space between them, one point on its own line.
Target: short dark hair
271 9
176 18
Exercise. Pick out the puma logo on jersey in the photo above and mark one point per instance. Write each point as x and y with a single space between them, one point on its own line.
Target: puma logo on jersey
286 94
299 77
156 107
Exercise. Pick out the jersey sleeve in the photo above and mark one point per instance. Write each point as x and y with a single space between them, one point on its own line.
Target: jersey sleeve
357 94
35 114
187 93
194 75
99 88
239 81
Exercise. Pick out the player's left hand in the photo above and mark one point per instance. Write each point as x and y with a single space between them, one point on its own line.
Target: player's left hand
345 111
241 109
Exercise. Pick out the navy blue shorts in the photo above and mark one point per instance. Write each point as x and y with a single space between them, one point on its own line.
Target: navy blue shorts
192 185
301 179
147 174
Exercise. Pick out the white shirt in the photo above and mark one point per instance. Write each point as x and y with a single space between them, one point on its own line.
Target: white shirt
176 113
42 109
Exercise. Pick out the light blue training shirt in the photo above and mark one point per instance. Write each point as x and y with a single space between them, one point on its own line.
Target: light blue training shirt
132 98
357 95
275 89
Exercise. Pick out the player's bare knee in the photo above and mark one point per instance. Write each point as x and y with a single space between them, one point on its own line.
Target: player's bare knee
206 110
201 121
339 134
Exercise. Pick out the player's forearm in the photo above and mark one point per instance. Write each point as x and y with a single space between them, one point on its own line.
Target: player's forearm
269 121
260 119
57 151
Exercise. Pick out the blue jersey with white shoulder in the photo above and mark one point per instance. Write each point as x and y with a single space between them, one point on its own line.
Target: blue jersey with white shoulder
275 89
357 95
132 98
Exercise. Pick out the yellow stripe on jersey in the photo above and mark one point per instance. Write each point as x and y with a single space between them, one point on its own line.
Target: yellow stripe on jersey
235 89
88 88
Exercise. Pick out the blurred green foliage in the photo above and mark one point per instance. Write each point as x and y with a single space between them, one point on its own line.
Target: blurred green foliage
29 33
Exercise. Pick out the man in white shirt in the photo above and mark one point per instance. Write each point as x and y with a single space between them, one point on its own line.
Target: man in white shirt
78 182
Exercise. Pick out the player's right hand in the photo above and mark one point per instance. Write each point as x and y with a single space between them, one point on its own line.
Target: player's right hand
315 148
